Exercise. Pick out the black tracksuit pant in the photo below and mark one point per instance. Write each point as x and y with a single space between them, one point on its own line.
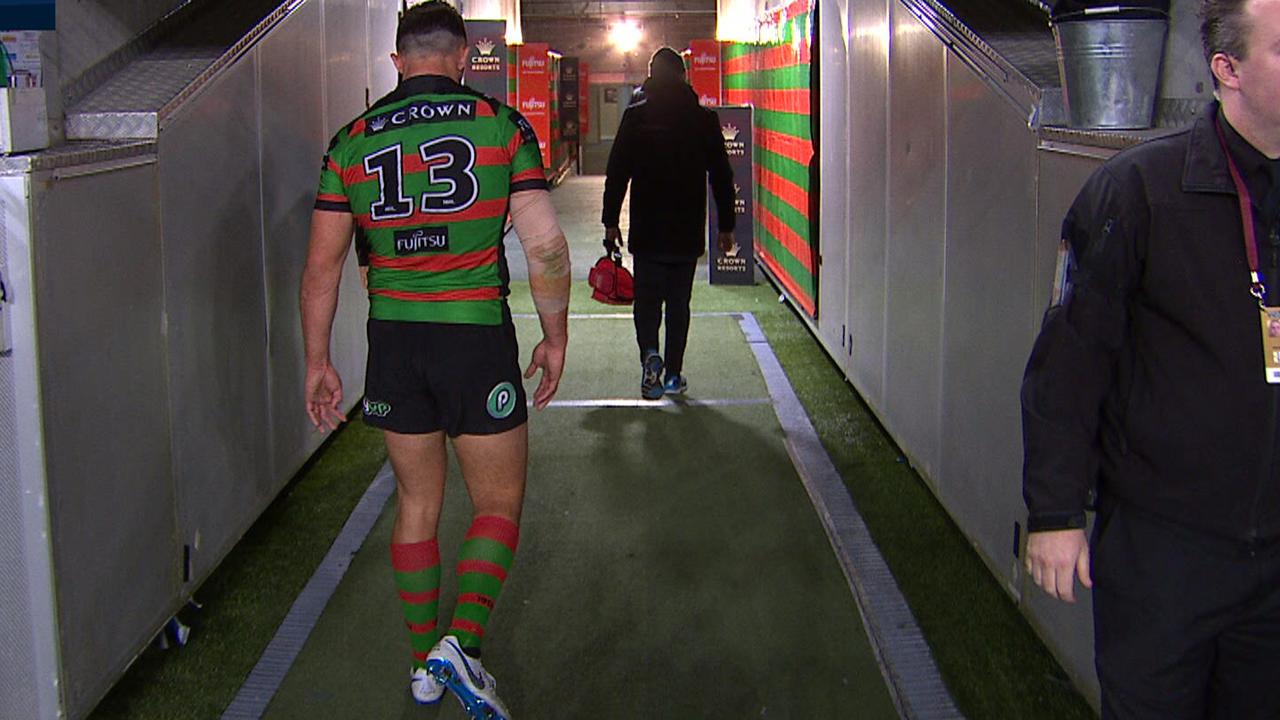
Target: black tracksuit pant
659 283
1186 624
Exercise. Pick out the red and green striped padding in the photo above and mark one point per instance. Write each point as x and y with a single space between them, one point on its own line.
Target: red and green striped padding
774 79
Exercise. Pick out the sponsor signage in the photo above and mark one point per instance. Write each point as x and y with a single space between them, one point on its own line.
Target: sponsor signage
737 266
419 113
704 70
570 99
584 109
534 93
486 69
422 240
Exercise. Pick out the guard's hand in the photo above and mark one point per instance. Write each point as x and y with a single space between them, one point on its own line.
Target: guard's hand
1055 558
725 241
612 240
323 396
550 358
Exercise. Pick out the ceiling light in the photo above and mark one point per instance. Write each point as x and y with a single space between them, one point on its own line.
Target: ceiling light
625 35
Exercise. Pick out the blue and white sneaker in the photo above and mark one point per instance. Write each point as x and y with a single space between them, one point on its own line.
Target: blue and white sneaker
466 677
651 376
675 384
424 686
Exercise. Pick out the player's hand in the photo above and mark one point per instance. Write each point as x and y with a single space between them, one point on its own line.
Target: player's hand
612 240
725 240
324 397
1055 558
550 358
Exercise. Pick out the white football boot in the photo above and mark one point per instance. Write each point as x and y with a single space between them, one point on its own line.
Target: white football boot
424 686
466 677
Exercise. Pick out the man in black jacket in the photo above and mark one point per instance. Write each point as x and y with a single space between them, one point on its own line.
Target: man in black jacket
665 148
1148 385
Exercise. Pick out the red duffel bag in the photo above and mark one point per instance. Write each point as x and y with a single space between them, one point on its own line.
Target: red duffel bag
611 283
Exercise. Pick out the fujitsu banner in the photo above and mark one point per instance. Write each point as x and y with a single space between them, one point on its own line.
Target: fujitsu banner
486 69
584 100
570 97
737 266
704 70
534 91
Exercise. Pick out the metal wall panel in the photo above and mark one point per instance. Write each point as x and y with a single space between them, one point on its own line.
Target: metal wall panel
293 141
347 53
212 227
833 239
990 261
28 625
18 697
100 314
867 229
382 42
917 239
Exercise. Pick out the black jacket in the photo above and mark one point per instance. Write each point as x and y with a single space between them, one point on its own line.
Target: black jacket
665 148
1148 378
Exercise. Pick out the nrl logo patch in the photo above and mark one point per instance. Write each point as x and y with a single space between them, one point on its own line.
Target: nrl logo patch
376 408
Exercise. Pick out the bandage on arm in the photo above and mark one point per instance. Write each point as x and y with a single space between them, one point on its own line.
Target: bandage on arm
546 251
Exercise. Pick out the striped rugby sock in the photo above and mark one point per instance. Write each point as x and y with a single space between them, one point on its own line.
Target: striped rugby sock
483 563
417 572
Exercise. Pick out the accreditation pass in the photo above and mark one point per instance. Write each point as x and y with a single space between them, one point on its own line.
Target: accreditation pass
1271 343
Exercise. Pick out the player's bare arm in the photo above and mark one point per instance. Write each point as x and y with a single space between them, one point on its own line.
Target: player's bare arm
330 238
548 257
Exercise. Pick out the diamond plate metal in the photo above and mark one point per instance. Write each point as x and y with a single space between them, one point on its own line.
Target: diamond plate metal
147 83
112 126
148 88
76 153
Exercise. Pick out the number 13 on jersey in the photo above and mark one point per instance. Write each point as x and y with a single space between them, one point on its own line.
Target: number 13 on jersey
449 163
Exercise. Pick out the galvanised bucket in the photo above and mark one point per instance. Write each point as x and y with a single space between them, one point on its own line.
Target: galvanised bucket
1110 69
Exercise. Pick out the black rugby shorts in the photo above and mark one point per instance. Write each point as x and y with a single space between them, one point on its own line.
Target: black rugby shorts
424 377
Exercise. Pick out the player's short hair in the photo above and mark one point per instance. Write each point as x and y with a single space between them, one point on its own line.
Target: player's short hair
666 63
431 28
1223 28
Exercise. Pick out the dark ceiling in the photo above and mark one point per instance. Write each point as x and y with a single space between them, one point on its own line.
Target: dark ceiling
581 29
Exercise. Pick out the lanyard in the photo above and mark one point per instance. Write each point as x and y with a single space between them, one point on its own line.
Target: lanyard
1256 288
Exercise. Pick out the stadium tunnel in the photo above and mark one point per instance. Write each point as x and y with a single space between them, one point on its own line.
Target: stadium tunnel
830 525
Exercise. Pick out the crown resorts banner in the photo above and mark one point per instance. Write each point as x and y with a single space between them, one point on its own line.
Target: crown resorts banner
534 92
737 266
704 70
570 96
487 59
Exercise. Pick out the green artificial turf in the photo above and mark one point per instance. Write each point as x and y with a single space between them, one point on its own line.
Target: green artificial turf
991 660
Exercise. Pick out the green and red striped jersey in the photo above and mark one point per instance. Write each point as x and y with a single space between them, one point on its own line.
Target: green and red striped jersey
427 172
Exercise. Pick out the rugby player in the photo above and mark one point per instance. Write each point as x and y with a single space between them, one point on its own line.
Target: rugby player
429 174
